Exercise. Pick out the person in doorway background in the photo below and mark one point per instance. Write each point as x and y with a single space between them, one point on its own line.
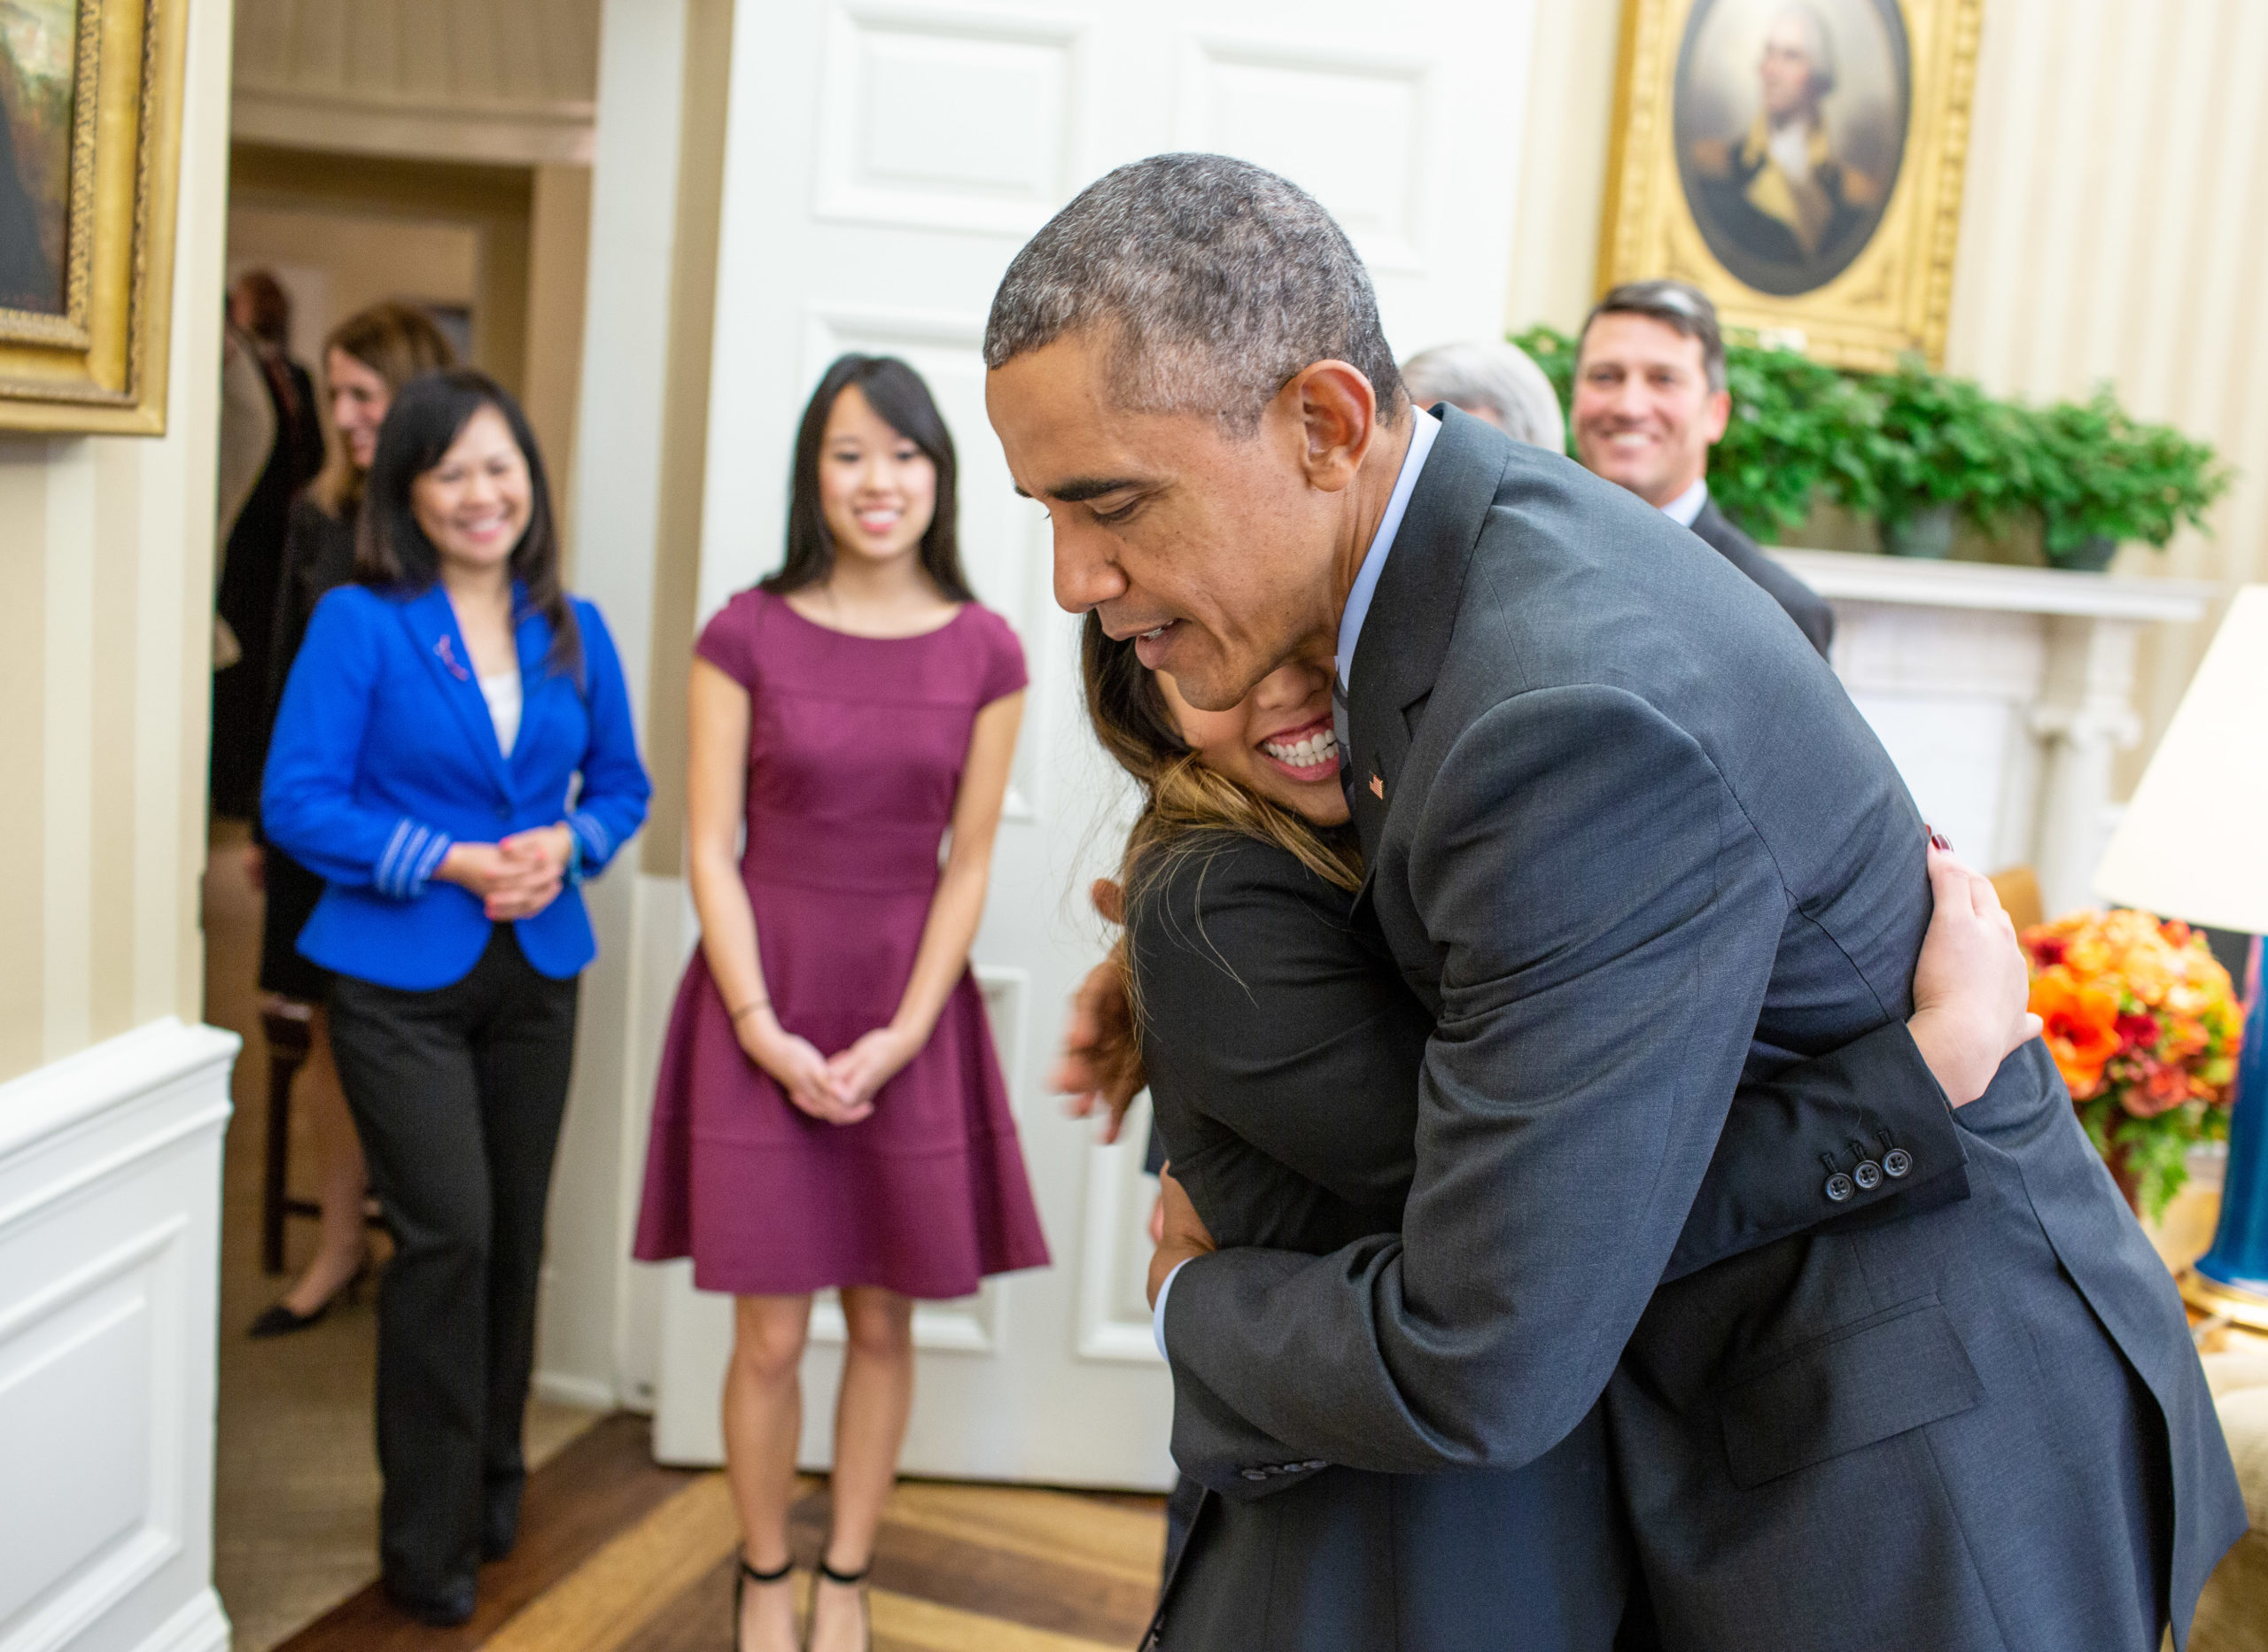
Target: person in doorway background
260 316
443 710
366 360
830 1110
1650 402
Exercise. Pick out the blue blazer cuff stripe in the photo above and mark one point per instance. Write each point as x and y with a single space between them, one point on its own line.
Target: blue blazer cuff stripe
383 877
596 844
430 862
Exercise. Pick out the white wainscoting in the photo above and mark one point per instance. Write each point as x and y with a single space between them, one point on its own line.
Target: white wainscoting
110 1232
2002 693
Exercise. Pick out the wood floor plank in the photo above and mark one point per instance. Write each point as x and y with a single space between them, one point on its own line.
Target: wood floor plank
599 1485
903 1624
965 1570
613 1595
1055 1526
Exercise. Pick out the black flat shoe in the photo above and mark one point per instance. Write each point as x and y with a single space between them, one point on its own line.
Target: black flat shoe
847 1580
445 1610
748 1574
279 1321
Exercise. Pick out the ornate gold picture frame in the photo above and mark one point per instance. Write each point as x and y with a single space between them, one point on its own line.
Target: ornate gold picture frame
90 162
1799 160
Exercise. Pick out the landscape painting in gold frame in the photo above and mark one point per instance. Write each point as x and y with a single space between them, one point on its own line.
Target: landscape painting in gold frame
1799 161
89 160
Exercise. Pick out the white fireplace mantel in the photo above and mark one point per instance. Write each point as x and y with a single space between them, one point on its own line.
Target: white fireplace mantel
2004 695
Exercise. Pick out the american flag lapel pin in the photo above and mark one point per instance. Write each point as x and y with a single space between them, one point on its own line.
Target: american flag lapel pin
1378 788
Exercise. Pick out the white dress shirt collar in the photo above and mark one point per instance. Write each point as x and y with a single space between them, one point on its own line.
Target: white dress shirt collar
1687 506
1366 578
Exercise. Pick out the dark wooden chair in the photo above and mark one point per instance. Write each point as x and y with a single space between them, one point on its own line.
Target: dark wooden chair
288 1024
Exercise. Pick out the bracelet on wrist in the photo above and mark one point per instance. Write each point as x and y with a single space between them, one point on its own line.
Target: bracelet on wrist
749 1008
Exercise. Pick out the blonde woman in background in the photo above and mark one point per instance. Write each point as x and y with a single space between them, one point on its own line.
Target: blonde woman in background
366 360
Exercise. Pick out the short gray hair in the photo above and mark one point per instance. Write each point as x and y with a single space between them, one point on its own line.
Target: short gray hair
1502 378
1221 281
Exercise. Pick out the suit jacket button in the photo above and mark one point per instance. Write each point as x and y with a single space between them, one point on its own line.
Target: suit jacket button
1255 1474
1318 1463
1839 1187
1896 1163
1866 1174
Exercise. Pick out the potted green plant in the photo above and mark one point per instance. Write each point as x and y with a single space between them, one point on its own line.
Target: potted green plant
1796 426
2103 477
1938 449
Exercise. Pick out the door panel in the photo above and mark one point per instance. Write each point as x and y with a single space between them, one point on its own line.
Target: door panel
885 162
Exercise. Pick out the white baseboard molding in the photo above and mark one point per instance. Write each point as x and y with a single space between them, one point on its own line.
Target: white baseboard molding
565 1388
200 1625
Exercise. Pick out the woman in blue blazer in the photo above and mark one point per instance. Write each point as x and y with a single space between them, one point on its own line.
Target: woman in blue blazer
453 754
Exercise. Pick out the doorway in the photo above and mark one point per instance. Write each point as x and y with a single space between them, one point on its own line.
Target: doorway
495 255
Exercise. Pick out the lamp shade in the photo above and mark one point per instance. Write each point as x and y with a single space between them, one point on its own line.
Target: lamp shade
2193 843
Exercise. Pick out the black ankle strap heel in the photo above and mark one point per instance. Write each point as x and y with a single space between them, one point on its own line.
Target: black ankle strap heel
851 1580
748 1574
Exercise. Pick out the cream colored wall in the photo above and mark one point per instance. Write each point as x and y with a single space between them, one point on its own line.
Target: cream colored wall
2115 227
335 263
105 617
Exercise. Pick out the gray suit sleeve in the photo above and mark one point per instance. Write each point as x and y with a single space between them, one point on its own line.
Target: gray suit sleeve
1607 919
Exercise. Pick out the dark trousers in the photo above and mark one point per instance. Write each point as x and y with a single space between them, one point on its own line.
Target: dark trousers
457 1094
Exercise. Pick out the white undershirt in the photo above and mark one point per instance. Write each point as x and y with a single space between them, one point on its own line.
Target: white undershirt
1687 506
502 692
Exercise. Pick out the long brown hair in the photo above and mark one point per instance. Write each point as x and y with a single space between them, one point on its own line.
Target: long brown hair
395 341
901 401
1185 804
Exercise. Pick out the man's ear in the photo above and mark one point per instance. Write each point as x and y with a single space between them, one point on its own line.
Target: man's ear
1338 416
1717 413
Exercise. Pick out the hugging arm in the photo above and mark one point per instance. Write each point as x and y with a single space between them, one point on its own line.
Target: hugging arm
1608 921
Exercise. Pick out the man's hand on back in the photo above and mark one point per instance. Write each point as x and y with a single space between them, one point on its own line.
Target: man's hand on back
1186 1235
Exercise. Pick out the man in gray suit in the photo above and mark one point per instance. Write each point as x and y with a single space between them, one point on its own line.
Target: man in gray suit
1628 837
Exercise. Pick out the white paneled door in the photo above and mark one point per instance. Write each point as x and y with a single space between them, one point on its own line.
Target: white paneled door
884 162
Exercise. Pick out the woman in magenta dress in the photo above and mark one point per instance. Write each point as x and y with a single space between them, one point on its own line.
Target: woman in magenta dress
830 1110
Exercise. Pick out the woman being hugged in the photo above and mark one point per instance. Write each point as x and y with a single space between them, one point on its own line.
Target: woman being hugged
1283 1053
830 1111
453 755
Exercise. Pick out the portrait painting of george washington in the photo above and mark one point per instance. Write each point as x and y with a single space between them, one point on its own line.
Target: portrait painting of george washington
38 54
1790 120
1799 161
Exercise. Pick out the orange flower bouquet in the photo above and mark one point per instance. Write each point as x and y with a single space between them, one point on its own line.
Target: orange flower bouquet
2143 1023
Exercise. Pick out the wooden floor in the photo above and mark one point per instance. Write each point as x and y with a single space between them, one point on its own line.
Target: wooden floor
614 1551
616 1554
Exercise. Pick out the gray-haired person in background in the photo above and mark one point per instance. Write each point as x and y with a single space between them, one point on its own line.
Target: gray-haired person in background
1497 382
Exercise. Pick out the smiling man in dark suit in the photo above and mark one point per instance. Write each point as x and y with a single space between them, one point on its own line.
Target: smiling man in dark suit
1630 841
1650 402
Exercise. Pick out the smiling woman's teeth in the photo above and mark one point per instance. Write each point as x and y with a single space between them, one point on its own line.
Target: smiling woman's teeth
1316 749
1153 635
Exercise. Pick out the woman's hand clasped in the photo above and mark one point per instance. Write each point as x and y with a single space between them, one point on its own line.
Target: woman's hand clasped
871 1063
798 1067
515 878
